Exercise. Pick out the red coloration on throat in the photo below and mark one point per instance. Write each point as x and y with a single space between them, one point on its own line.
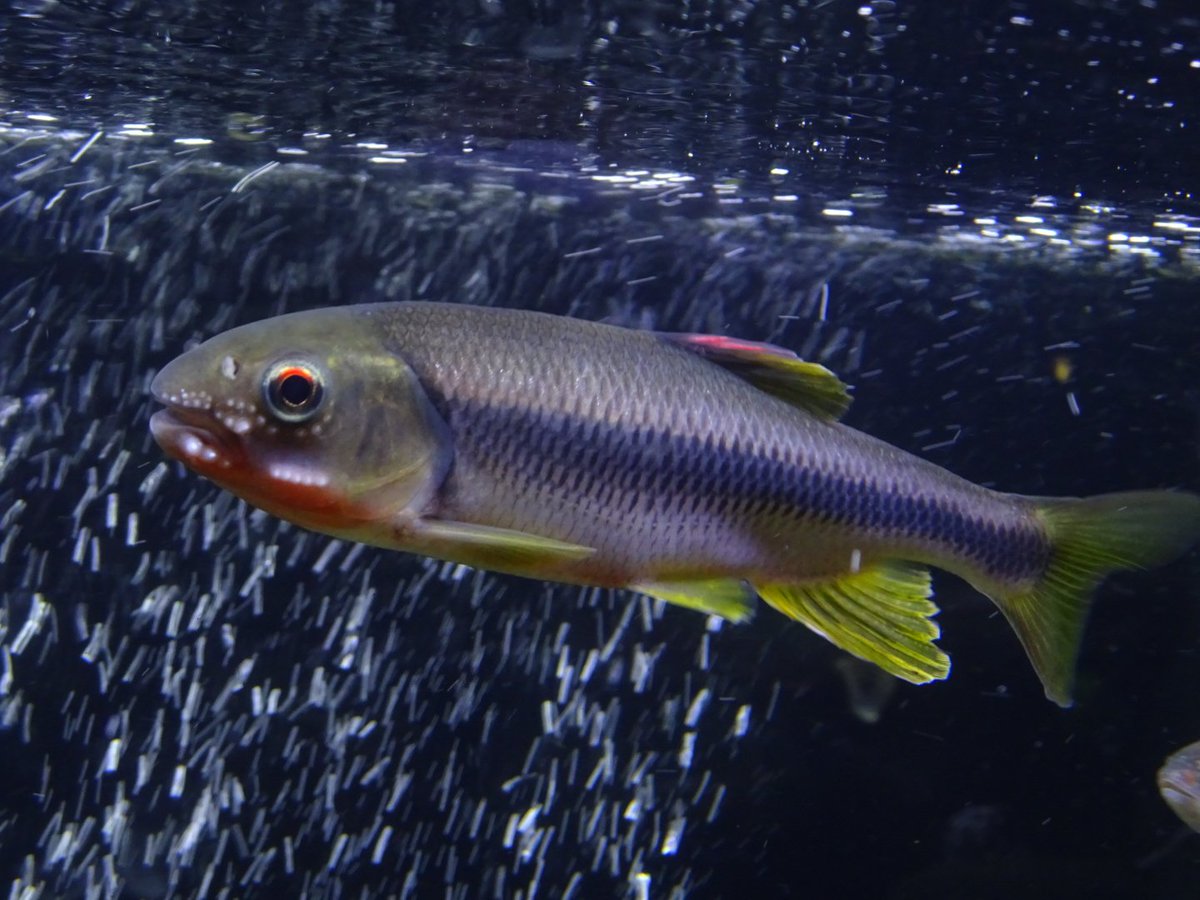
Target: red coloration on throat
208 449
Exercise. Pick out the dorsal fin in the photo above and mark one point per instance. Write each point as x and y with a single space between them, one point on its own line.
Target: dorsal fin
778 372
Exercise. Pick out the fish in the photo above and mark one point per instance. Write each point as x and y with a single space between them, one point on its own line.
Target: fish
1179 784
703 470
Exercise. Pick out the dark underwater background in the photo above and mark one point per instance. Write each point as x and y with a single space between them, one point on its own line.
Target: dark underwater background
984 216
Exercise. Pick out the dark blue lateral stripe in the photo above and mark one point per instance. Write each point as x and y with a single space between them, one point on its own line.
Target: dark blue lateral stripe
693 474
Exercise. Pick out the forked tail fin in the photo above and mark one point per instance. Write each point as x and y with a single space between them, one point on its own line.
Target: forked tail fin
1091 538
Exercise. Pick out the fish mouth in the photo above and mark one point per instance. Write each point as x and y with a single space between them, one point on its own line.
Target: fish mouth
187 429
193 437
1183 791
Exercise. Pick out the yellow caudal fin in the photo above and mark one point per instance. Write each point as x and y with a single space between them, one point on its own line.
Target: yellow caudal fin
881 613
1091 538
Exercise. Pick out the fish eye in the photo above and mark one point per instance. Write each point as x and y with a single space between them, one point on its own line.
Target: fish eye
293 391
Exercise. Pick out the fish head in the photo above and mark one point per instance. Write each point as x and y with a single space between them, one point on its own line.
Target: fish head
310 416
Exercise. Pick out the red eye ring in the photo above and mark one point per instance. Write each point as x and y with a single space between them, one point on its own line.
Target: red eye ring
293 391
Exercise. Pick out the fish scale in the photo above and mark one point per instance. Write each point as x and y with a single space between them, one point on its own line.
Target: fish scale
747 453
699 469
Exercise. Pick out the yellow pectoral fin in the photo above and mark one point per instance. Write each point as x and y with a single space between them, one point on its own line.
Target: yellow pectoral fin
493 548
882 614
727 598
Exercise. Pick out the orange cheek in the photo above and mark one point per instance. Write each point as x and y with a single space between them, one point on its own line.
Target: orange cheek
286 499
312 506
290 491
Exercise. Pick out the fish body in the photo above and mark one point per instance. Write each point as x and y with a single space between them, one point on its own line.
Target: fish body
696 468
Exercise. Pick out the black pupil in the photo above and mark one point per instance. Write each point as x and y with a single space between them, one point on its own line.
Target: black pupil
296 390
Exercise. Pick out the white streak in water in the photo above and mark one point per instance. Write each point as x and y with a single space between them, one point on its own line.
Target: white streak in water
257 173
86 146
38 611
742 723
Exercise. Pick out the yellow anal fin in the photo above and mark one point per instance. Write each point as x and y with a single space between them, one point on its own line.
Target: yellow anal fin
774 370
726 598
485 547
882 614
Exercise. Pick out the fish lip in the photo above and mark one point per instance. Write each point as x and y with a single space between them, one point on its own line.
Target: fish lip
192 436
187 423
1180 789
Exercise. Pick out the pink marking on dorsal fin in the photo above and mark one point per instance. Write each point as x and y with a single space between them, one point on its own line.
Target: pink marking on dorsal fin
774 370
733 345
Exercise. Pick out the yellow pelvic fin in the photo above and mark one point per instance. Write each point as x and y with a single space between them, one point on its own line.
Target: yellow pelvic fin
727 598
774 370
1091 538
882 614
494 548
